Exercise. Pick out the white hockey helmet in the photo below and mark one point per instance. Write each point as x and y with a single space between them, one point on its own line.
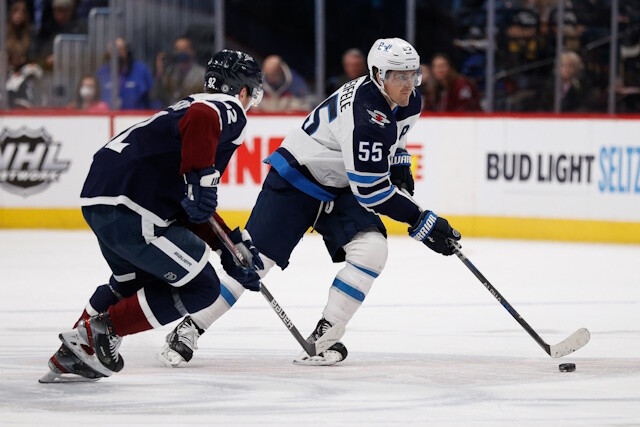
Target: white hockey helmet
393 54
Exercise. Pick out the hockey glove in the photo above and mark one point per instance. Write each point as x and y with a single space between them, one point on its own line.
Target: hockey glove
400 170
434 232
201 189
247 276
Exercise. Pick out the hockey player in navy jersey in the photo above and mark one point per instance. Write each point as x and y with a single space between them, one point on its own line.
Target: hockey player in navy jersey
342 168
146 189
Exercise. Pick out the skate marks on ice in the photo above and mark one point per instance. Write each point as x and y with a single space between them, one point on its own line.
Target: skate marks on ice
241 386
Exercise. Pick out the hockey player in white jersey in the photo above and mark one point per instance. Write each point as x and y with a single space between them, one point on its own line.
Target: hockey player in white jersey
342 168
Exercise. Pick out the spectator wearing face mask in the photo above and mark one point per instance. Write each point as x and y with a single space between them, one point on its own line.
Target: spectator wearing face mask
88 96
177 74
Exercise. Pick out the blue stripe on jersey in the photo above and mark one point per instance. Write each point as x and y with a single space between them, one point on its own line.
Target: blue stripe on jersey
227 295
295 178
374 199
366 179
348 289
369 272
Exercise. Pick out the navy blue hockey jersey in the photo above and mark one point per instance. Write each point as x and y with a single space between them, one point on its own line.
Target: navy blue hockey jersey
348 141
142 167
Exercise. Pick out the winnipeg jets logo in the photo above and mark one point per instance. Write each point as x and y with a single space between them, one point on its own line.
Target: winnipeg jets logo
378 118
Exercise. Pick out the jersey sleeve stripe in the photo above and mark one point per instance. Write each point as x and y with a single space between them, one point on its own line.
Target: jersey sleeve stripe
370 190
369 179
377 198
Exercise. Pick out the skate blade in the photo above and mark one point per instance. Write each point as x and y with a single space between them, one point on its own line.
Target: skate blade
328 358
54 378
169 357
74 341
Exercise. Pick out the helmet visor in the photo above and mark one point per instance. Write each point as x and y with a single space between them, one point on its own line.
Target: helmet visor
256 96
403 77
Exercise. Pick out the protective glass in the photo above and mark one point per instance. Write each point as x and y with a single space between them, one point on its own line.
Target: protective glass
403 77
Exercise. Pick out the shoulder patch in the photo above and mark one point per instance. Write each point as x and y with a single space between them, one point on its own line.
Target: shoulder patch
378 117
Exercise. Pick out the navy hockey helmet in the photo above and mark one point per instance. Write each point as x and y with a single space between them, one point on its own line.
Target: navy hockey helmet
228 71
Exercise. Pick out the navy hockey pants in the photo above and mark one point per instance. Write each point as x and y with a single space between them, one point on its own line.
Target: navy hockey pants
282 214
167 266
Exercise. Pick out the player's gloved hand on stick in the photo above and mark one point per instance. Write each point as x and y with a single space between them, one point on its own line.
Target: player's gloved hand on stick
400 171
201 189
247 276
434 232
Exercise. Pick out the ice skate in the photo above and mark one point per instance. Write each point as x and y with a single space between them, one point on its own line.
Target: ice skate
96 333
65 367
180 343
336 353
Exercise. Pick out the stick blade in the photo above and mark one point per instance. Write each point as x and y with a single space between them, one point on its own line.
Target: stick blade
329 338
574 342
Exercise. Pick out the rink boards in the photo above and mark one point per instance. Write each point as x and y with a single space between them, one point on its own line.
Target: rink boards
541 177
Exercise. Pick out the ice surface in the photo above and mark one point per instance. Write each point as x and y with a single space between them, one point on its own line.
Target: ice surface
429 345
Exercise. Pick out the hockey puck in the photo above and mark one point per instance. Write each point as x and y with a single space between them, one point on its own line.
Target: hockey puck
567 367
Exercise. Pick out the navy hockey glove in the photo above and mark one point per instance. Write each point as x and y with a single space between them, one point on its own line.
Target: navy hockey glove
434 232
201 188
400 170
247 276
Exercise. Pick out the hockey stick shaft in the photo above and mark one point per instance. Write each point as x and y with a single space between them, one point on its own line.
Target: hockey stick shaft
226 241
493 291
512 311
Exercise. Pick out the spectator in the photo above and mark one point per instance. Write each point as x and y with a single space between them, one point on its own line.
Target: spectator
134 78
177 75
19 27
573 91
284 89
64 22
572 30
40 13
522 38
88 96
427 89
354 65
454 92
23 82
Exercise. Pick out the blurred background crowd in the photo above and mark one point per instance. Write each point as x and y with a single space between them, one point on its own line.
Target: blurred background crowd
59 52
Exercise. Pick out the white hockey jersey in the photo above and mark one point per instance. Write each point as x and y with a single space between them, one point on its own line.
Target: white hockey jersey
348 141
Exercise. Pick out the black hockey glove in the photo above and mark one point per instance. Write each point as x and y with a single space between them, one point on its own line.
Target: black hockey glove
400 170
247 276
434 232
201 189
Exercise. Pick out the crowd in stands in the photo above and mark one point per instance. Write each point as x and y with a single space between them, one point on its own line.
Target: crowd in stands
453 80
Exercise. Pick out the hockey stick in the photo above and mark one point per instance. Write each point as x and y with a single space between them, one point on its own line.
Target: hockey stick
329 338
574 342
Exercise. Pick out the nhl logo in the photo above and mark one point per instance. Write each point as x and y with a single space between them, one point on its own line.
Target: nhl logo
29 161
